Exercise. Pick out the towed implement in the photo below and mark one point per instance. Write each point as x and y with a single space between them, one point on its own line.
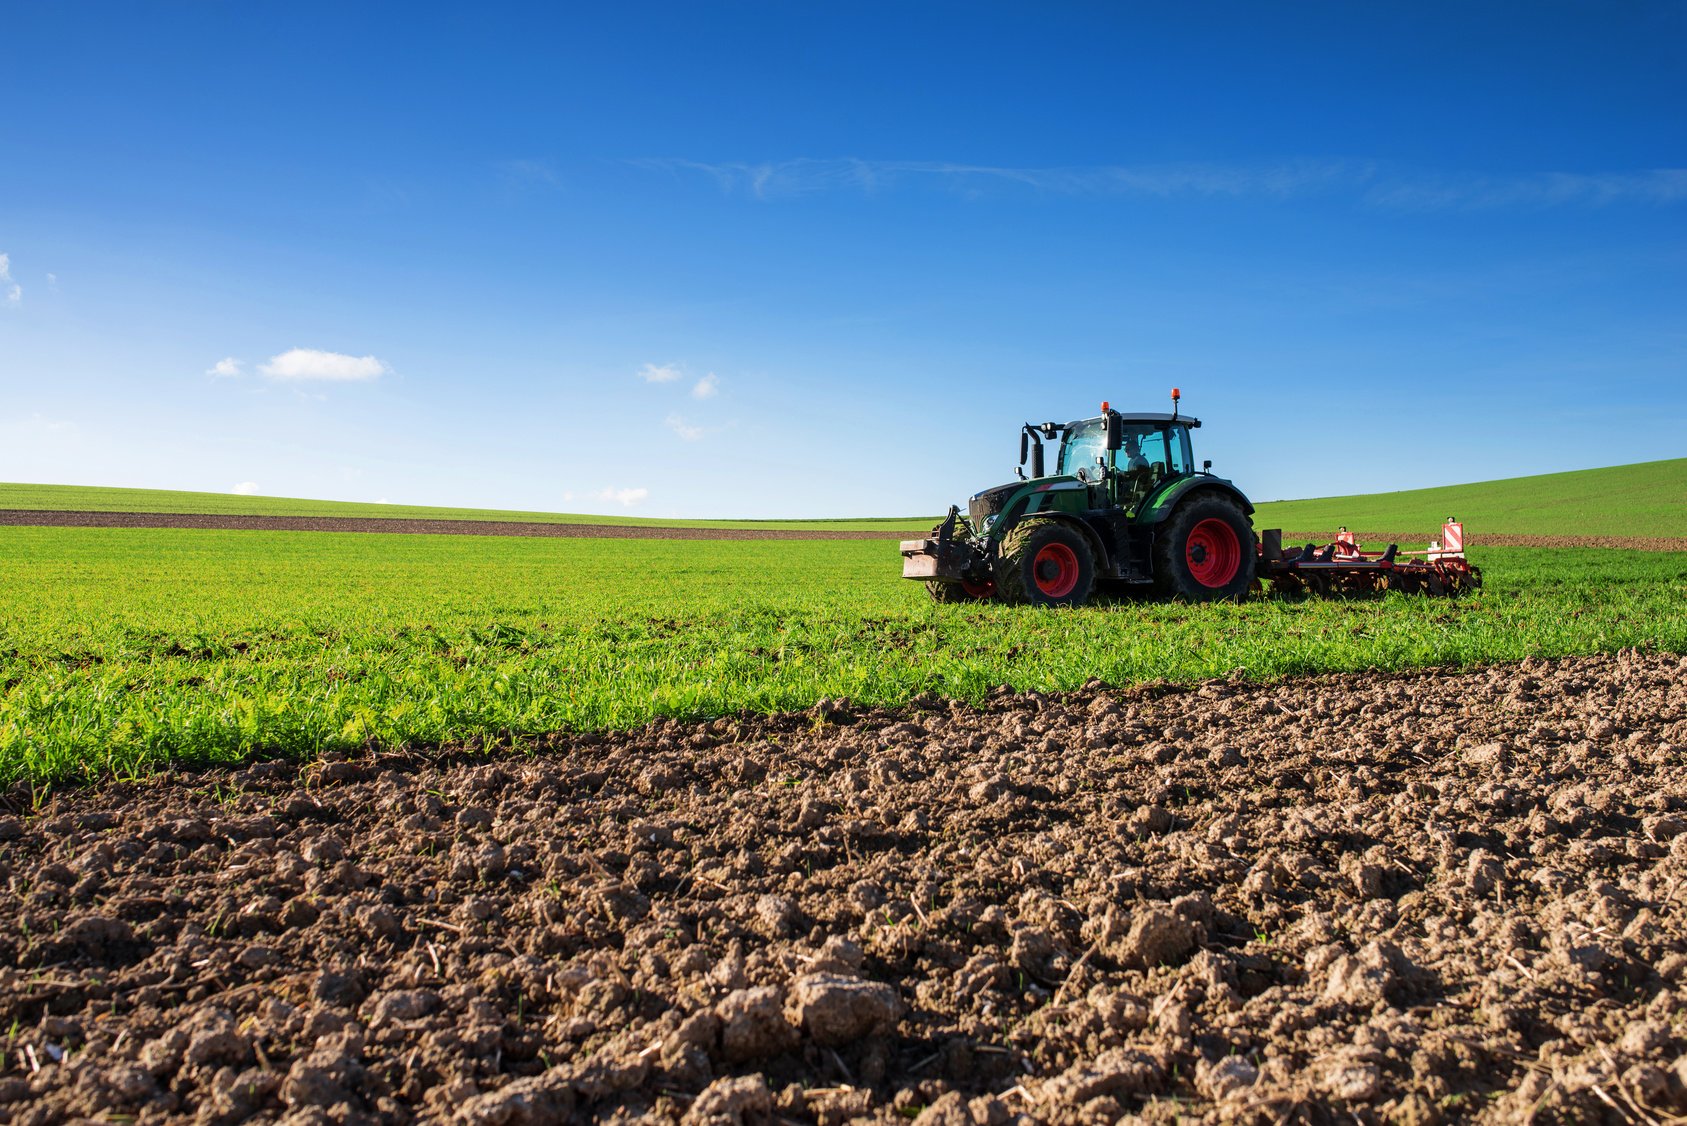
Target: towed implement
1125 511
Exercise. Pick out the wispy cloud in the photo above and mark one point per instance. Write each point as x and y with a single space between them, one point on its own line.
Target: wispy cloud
794 177
245 488
226 367
12 290
684 429
707 387
660 373
1658 187
312 364
529 174
625 497
1371 182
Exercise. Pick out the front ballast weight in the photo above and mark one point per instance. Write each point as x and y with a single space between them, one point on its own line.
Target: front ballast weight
953 568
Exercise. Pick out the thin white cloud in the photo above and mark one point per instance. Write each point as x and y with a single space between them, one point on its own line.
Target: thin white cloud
529 174
14 295
38 423
793 177
660 373
1371 182
1658 187
245 488
707 387
684 429
14 292
312 364
52 283
625 497
225 367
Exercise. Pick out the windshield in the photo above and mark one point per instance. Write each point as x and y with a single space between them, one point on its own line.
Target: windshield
1151 448
1083 444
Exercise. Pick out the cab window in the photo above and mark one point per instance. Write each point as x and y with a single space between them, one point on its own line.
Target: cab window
1182 459
1083 444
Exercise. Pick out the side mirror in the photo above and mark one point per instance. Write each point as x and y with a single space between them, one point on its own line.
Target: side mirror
1115 431
1024 446
1206 466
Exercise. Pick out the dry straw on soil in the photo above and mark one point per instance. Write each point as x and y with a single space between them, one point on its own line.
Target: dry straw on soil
1416 898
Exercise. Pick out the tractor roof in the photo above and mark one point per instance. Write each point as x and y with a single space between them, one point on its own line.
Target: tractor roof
1184 419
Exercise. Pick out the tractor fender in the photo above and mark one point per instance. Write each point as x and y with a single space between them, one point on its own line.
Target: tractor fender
1065 518
1159 507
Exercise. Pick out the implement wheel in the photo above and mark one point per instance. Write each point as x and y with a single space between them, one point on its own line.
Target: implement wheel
1045 563
963 591
1205 552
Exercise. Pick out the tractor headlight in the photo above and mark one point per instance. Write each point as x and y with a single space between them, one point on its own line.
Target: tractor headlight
990 521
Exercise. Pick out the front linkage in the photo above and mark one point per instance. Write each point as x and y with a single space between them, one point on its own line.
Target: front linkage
954 560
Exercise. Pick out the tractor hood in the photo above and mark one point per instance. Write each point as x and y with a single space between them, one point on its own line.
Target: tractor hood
992 502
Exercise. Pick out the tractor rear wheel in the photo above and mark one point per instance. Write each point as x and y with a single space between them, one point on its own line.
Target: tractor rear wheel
963 591
1205 552
1046 563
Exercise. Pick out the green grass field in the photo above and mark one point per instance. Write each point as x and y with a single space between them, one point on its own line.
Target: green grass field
123 651
1649 499
82 498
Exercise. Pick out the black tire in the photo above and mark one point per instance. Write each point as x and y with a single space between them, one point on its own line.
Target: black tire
959 592
1206 552
1046 563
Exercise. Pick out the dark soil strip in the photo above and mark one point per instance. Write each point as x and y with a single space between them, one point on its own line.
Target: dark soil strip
658 532
1417 541
1434 897
424 527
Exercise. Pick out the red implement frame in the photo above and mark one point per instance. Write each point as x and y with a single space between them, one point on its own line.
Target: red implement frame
1339 567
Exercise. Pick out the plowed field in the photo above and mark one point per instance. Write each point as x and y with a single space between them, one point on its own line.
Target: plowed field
1412 898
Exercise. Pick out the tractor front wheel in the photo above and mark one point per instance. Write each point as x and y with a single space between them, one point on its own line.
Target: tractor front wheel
963 591
1205 552
1046 563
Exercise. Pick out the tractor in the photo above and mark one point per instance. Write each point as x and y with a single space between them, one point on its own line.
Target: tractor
1125 509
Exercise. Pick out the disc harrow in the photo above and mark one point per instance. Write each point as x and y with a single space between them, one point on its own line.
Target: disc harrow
1340 568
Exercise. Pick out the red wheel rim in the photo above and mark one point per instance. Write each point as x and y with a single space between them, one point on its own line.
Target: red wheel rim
1214 552
985 589
1056 570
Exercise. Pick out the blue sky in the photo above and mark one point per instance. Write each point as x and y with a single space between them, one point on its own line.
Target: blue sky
782 259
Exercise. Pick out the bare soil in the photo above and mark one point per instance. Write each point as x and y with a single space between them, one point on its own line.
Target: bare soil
1432 897
424 527
41 518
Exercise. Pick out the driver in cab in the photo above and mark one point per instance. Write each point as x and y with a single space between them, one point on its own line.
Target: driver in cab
1137 472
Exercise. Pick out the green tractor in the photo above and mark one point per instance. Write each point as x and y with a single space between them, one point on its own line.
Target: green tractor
1125 510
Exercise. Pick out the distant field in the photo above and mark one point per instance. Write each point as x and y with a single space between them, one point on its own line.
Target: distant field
124 652
82 498
1649 499
1646 500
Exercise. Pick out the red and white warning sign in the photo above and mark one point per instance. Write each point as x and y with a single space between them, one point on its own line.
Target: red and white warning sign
1452 537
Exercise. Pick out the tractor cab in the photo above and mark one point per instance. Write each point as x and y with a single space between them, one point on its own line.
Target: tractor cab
1151 450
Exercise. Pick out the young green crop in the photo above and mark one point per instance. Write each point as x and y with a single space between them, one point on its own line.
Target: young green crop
122 651
1649 499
